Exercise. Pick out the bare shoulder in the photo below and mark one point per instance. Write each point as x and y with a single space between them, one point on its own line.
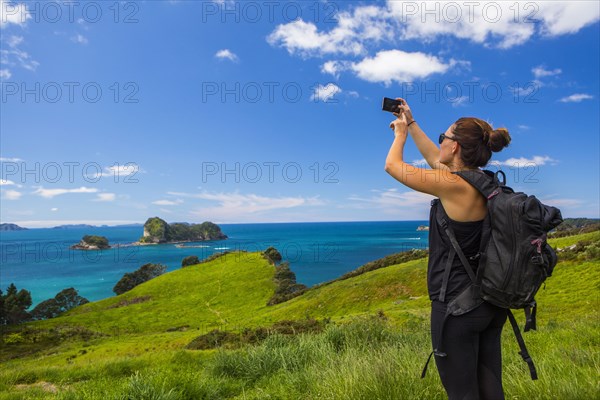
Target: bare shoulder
465 203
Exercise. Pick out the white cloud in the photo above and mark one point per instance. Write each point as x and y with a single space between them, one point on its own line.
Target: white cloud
13 13
523 162
168 202
565 202
325 93
127 171
540 72
14 41
396 65
14 56
303 37
236 207
105 197
421 163
335 67
122 170
54 209
50 193
576 98
13 159
6 182
227 54
5 74
221 2
459 101
566 17
492 23
488 23
79 38
354 29
11 195
527 89
411 205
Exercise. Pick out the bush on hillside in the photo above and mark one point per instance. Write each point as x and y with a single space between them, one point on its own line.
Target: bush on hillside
580 251
392 259
190 260
14 305
272 255
217 338
214 257
143 274
575 226
286 288
64 301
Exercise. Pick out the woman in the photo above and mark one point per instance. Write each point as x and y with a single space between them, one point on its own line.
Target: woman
471 366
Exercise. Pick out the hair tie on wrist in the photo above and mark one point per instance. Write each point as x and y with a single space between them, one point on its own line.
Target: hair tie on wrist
412 122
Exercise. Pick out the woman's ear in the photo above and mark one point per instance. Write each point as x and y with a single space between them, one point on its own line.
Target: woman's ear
455 147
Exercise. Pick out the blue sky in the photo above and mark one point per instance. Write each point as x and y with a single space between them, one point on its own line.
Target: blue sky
113 112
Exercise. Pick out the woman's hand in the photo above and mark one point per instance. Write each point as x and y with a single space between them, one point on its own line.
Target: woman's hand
403 118
406 110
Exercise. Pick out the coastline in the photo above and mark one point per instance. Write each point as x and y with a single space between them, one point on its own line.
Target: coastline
40 260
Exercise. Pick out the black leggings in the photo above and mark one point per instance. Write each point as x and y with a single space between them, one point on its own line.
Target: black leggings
472 368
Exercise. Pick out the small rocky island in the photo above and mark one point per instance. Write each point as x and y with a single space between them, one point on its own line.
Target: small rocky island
158 231
11 227
422 228
92 242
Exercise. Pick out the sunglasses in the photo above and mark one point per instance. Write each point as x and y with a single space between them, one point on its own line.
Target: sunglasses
443 136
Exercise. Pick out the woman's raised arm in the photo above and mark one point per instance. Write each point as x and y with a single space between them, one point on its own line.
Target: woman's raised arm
426 146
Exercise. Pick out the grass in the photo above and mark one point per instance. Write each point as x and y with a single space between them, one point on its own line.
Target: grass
373 348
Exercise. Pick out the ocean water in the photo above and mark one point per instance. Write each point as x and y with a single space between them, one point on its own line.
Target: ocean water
40 260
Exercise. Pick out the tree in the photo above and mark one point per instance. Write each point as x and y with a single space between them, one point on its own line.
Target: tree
141 275
99 241
14 306
272 255
64 301
190 260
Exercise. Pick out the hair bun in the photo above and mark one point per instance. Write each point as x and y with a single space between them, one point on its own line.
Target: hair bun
498 139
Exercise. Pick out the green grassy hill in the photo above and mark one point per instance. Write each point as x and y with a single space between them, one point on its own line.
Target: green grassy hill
373 346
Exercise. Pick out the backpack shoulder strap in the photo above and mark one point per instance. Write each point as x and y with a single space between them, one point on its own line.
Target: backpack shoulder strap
524 353
487 182
442 220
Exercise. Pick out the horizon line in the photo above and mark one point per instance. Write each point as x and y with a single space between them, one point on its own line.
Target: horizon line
114 224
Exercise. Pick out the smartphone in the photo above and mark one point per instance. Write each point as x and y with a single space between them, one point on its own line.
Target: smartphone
390 105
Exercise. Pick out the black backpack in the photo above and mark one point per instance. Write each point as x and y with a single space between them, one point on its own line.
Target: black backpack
514 257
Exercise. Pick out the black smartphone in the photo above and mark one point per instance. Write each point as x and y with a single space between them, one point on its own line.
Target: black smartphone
390 105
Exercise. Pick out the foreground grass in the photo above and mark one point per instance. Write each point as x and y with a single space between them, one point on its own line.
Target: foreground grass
373 348
367 358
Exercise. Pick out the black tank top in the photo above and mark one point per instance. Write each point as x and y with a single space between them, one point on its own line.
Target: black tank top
468 236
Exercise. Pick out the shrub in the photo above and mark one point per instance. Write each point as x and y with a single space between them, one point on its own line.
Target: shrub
217 338
143 274
99 241
272 255
286 288
14 305
64 301
190 260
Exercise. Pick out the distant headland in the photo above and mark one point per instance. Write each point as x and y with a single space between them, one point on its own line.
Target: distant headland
11 227
158 231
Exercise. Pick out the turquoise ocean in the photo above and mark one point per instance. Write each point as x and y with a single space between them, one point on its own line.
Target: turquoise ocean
40 260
